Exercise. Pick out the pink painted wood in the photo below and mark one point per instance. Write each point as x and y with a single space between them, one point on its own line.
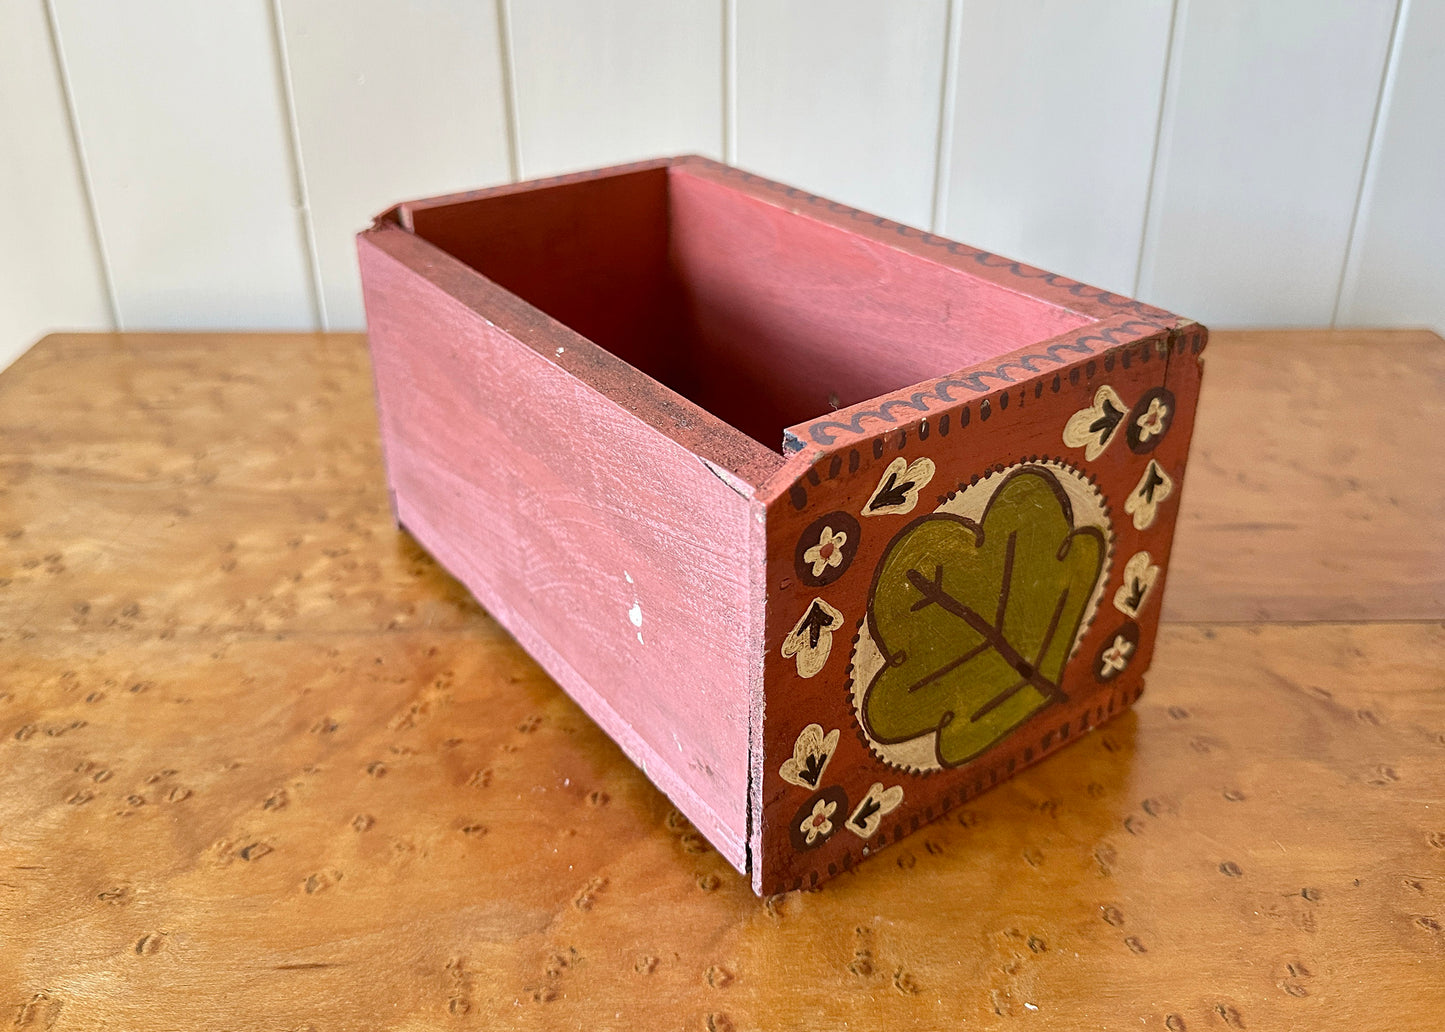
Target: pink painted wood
611 402
609 549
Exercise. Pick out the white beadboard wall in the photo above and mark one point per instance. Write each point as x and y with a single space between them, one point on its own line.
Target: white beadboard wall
170 164
183 129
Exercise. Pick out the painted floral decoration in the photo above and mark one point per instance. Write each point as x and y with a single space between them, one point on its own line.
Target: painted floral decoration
827 552
817 823
973 620
1116 656
1153 420
811 753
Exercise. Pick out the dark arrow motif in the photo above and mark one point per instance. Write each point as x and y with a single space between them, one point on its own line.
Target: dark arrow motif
816 621
878 803
1139 577
898 488
1107 422
866 809
811 753
891 492
811 640
813 768
1095 427
1152 481
1153 487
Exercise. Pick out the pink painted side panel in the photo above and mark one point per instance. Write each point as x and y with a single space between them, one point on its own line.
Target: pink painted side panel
617 558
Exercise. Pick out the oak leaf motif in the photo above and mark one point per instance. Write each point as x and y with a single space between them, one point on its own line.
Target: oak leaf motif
976 620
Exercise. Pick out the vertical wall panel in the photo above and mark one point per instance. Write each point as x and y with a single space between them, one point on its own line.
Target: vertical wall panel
50 271
1051 113
1056 106
392 101
1396 271
1267 120
604 82
841 97
180 116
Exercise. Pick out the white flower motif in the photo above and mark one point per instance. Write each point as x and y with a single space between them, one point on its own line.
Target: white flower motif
827 552
1152 421
1116 657
817 822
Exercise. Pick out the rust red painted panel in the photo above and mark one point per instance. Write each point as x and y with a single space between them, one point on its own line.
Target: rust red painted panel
837 785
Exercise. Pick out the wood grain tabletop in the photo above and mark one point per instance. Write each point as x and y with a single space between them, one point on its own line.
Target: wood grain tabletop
263 765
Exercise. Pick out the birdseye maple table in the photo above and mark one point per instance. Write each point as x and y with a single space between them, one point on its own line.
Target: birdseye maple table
263 765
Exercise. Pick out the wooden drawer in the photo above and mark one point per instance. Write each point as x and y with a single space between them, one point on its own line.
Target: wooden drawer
831 523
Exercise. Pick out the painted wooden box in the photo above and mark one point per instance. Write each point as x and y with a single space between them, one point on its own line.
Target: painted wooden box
831 523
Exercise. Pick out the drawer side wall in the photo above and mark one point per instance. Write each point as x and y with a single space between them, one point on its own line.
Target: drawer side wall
614 555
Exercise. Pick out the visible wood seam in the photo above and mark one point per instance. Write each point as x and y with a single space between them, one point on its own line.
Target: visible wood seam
1349 264
947 107
1157 147
82 166
510 105
730 81
282 56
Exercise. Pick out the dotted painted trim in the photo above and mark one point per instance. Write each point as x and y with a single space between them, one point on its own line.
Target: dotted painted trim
944 422
1048 742
826 431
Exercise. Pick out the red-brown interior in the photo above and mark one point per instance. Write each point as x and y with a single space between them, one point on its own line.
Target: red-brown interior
760 314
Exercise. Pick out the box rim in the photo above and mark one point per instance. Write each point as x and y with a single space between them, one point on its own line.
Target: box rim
743 463
749 466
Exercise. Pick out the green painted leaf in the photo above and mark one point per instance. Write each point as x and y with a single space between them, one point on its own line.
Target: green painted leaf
975 621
